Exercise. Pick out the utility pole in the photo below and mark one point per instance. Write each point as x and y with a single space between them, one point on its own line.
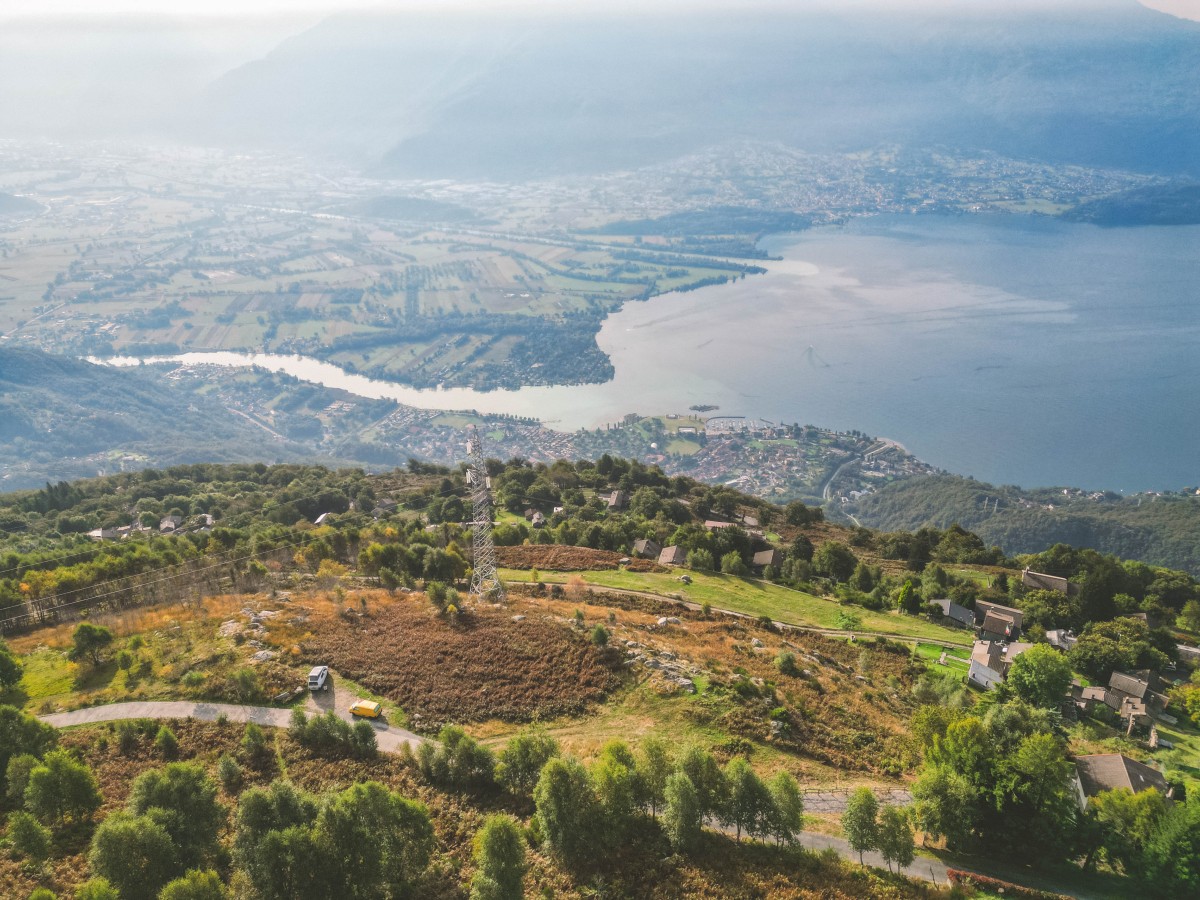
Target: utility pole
485 582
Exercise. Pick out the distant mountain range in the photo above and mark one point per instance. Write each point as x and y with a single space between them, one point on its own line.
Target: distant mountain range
482 95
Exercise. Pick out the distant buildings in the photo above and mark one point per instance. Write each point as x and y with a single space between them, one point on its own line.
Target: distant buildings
1039 582
672 556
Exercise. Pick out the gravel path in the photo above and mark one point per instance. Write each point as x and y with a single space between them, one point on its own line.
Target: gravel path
390 738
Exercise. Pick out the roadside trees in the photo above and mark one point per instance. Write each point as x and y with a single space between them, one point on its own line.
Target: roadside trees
895 837
860 822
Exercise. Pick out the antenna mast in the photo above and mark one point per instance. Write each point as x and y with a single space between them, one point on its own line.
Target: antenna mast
485 582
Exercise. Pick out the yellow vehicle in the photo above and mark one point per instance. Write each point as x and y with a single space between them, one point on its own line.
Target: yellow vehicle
367 708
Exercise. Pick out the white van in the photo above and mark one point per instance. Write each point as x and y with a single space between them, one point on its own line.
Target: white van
318 678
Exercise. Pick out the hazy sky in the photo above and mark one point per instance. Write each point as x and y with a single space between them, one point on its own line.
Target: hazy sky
242 8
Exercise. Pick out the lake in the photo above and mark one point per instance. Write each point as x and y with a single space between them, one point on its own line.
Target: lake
1018 350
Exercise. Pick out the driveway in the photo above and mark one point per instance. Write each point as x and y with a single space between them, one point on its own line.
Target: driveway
389 737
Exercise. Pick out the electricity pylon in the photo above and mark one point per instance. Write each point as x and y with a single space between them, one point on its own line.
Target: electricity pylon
485 582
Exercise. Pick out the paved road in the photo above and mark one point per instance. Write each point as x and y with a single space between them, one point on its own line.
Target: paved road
922 867
389 737
835 801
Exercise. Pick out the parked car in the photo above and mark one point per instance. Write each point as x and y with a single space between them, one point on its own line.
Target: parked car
318 678
367 708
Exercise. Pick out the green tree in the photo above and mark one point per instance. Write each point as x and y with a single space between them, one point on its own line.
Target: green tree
97 888
787 808
275 845
706 776
834 560
29 837
17 776
600 636
568 813
374 842
733 564
135 854
1125 824
701 560
683 816
195 885
521 761
89 641
860 822
748 801
654 767
895 837
1115 644
43 894
1188 620
183 800
1040 676
21 733
616 782
10 669
458 760
863 578
62 787
946 805
499 860
1173 852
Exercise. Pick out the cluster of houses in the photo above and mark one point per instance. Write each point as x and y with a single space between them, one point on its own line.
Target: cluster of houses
166 525
677 556
1136 697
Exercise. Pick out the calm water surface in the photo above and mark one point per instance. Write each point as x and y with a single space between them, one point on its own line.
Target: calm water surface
1017 350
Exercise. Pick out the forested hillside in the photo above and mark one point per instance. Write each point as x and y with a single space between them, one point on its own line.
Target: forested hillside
1157 529
55 412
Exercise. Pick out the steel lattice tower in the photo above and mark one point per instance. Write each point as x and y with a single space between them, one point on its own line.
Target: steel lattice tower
485 582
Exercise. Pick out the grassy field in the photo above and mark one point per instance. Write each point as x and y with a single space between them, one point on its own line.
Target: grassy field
755 598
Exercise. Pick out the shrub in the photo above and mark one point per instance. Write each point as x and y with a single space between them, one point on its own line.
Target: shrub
600 636
230 773
166 743
17 776
29 837
97 888
459 761
124 660
62 787
254 745
195 885
329 732
127 737
522 760
193 679
786 663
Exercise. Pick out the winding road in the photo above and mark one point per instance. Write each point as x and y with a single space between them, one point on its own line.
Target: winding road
390 738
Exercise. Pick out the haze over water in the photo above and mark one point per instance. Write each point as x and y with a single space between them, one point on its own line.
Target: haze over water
1017 350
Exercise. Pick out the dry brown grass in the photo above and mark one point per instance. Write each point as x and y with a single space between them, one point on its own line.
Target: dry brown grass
482 666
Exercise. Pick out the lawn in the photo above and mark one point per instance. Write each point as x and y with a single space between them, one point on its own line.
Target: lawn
755 598
931 653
